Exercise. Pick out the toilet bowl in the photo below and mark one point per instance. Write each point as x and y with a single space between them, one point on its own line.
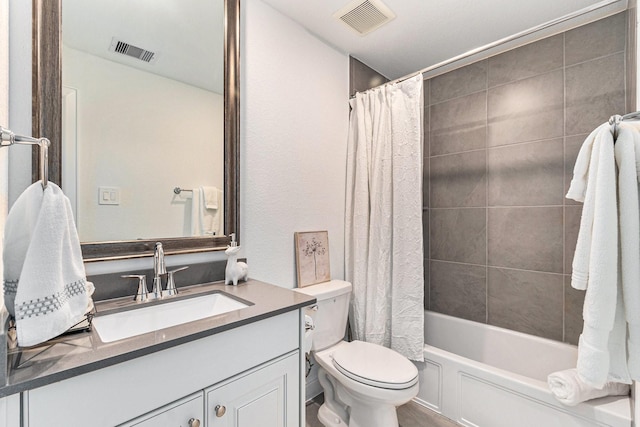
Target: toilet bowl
363 383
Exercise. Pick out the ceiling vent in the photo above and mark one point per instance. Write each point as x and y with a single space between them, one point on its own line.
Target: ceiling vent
124 48
364 16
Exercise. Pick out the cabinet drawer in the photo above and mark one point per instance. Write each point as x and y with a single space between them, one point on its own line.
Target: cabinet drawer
177 414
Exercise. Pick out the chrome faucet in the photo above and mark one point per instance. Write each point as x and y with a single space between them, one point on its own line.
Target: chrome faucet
159 269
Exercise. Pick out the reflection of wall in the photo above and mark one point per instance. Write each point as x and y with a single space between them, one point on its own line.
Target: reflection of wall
144 134
504 134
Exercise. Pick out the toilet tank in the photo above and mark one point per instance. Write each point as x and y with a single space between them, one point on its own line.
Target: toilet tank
331 316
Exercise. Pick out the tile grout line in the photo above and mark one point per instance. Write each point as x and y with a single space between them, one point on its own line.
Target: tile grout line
564 179
488 266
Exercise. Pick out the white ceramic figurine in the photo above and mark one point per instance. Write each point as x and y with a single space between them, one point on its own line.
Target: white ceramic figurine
235 270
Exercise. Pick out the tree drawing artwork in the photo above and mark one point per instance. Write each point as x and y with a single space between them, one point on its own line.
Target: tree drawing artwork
314 248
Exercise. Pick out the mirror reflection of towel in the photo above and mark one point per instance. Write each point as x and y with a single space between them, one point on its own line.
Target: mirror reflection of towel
204 220
210 197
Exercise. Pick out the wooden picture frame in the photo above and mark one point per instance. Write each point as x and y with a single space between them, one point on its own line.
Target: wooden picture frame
312 257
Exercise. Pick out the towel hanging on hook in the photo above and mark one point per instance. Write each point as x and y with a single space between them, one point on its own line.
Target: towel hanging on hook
617 118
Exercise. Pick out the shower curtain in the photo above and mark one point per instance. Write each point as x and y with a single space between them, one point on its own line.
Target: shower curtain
383 224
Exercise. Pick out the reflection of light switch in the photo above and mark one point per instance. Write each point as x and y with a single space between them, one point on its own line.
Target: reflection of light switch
108 195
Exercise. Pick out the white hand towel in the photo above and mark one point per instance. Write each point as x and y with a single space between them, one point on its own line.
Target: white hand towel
569 389
595 264
210 197
45 281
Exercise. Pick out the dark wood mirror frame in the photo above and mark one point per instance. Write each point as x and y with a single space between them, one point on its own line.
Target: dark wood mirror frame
47 122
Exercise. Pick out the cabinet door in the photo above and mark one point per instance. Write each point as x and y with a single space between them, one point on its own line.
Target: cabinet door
187 412
266 396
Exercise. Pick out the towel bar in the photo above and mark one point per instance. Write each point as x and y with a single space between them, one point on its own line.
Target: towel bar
8 138
178 190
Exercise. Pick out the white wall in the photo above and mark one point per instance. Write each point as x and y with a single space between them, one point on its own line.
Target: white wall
144 134
293 153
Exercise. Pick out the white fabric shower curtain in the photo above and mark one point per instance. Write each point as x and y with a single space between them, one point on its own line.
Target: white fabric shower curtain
383 224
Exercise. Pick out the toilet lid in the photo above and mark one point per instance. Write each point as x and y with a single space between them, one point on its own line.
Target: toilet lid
375 365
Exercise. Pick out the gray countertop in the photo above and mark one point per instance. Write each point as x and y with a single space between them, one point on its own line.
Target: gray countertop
72 355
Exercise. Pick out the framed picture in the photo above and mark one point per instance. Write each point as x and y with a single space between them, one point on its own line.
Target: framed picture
312 257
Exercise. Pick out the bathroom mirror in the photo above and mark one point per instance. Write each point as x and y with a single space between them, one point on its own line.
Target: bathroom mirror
100 130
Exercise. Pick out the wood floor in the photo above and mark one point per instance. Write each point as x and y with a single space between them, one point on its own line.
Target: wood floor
409 415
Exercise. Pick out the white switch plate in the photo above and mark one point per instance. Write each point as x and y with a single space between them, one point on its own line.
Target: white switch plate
108 195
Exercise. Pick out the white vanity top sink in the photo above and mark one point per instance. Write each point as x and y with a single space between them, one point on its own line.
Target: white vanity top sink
125 324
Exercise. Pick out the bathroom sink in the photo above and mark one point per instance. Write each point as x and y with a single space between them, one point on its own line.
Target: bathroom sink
125 324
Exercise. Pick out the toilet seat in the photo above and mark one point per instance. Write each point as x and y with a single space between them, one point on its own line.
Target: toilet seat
375 365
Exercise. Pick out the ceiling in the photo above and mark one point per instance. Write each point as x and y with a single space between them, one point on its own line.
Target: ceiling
425 32
190 49
186 34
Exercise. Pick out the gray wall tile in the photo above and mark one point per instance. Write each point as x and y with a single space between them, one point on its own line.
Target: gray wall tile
526 301
572 216
526 238
458 235
572 145
427 274
363 77
463 81
526 110
426 173
459 290
459 124
597 39
527 61
529 174
573 302
458 180
426 92
594 92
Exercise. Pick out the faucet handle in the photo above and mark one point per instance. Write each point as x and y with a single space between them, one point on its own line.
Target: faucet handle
143 293
171 284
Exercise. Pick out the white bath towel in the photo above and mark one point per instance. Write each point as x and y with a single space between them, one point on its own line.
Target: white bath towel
569 389
44 278
626 152
210 197
204 221
601 353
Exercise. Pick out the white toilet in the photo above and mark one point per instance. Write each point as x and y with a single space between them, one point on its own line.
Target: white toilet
363 382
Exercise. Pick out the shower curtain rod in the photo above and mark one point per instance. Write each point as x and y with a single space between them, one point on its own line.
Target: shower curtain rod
508 39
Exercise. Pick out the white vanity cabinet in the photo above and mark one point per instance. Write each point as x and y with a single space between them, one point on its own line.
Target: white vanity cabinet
264 397
253 370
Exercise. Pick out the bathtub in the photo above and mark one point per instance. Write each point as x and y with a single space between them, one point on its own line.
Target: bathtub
483 376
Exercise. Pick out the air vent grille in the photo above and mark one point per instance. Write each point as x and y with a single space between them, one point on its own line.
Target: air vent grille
365 16
128 49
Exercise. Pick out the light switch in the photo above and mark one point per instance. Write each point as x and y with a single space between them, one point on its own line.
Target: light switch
108 195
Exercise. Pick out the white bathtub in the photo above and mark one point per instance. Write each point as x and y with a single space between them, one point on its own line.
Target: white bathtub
483 376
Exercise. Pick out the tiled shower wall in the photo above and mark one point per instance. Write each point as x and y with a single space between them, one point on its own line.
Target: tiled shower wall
501 138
